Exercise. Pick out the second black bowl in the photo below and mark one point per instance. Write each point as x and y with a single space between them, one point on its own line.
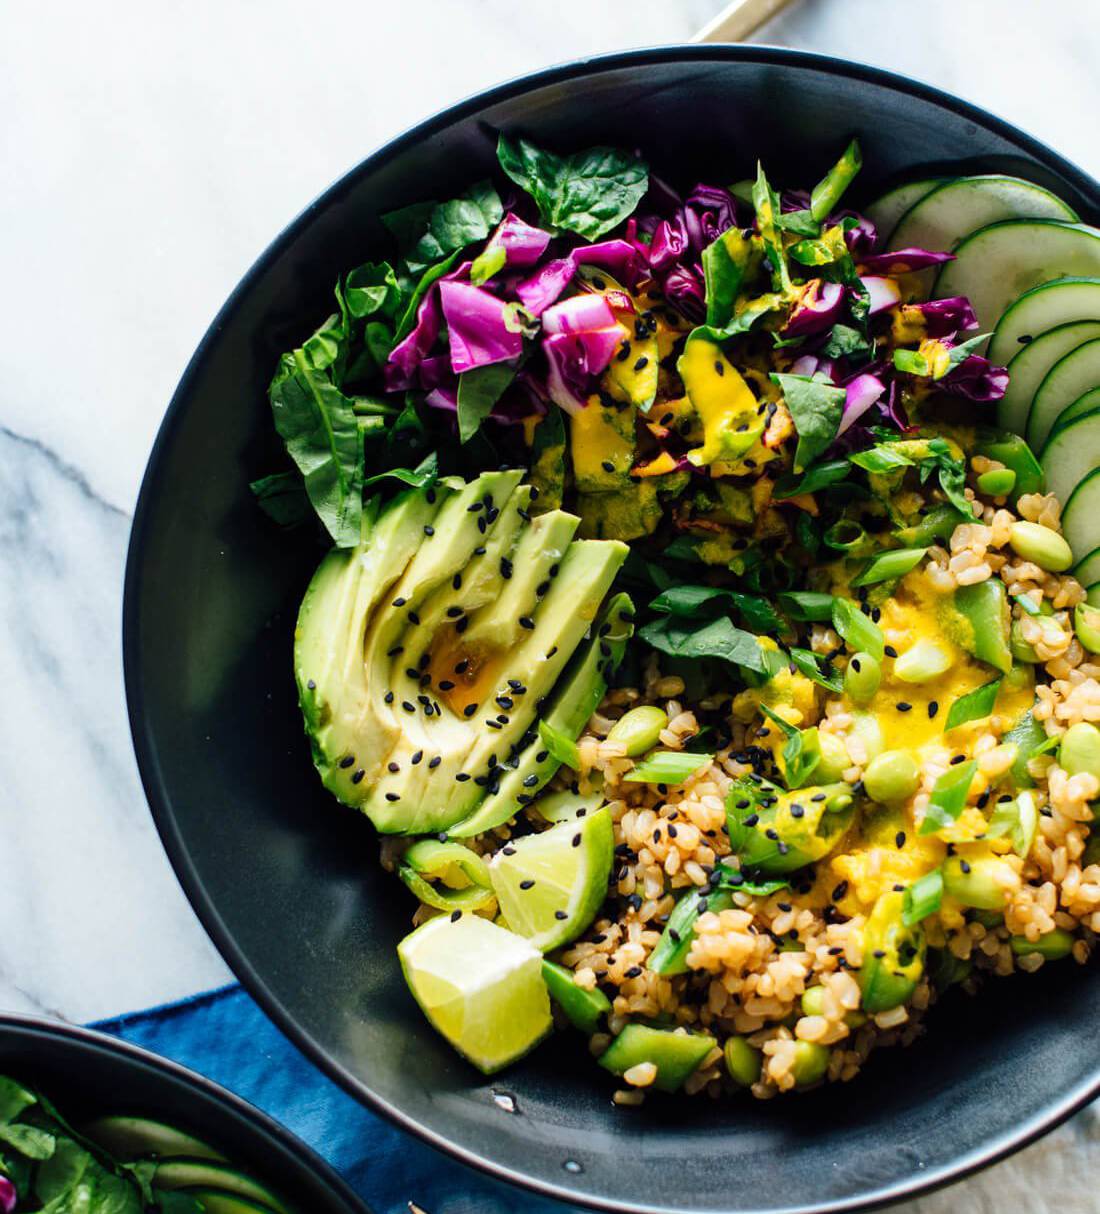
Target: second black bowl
288 885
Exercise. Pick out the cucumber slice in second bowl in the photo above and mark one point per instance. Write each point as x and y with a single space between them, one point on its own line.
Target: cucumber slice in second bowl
1041 309
1070 378
129 1138
1071 453
1029 368
1087 569
953 210
1083 404
202 1174
997 264
1081 516
888 208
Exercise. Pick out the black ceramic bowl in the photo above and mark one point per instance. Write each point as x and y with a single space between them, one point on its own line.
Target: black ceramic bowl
288 885
89 1074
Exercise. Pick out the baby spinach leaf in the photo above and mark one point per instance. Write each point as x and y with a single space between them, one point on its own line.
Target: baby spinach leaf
282 497
30 1141
799 223
588 192
369 288
881 458
407 224
454 225
820 476
694 601
725 262
317 423
423 474
973 706
718 639
948 797
808 662
801 751
14 1098
816 409
478 391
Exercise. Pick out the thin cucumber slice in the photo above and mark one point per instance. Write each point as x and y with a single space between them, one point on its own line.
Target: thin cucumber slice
202 1174
217 1201
1029 368
997 264
1092 595
1087 569
130 1138
888 208
1083 404
1071 377
1081 516
1071 454
1041 309
955 209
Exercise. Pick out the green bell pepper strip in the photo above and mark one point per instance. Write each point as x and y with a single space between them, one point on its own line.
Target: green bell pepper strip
893 956
984 608
430 858
675 1055
936 525
585 1009
670 955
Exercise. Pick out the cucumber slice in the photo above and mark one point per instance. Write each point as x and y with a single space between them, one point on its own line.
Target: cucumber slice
1083 404
130 1138
1072 376
217 1201
995 265
1028 369
1081 516
955 209
203 1174
1041 309
1087 569
1071 454
888 208
1092 595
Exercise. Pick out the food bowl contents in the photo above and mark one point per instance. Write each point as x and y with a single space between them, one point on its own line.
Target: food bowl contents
113 1165
710 617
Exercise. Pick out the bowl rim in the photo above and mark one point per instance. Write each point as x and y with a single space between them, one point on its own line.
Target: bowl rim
262 1124
157 793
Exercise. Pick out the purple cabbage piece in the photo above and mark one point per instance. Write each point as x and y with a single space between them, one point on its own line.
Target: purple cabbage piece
523 244
8 1196
903 261
683 288
945 317
578 315
477 323
670 243
573 359
443 397
976 379
860 394
407 355
818 308
861 238
811 365
709 211
882 293
620 258
539 291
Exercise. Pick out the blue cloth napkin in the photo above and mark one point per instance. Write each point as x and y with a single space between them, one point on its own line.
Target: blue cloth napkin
225 1036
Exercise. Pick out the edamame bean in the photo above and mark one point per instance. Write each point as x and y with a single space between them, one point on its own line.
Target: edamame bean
891 777
639 729
742 1061
1054 945
982 882
862 678
813 1004
1086 623
1022 650
922 662
866 728
811 1061
834 759
1046 548
1080 749
998 483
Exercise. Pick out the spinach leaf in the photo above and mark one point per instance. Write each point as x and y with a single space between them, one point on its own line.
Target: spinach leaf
14 1098
478 391
801 751
910 362
30 1141
807 605
948 797
282 497
725 261
808 662
317 423
951 473
816 408
695 601
407 224
846 342
799 223
718 639
423 474
883 458
766 204
369 288
820 476
588 192
454 225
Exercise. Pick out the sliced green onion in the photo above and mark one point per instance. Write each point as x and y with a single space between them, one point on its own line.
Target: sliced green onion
910 362
431 858
973 706
857 630
810 605
923 898
667 767
807 661
848 536
889 565
560 745
670 955
883 458
827 193
948 797
1019 819
1027 604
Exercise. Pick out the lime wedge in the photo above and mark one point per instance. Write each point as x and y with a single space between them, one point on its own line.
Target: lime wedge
480 985
549 886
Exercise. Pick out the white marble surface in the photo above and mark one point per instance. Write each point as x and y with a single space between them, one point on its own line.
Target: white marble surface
148 151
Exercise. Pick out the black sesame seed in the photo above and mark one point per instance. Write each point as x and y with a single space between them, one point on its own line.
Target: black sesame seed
435 761
902 706
933 708
641 364
388 697
528 884
479 550
469 710
454 612
414 618
400 602
607 465
542 756
407 706
358 776
392 653
347 760
957 759
463 666
413 674
429 530
462 777
311 685
577 839
797 811
392 796
525 621
456 581
462 624
505 701
446 685
890 651
634 972
964 866
455 916
394 767
719 368
560 914
530 781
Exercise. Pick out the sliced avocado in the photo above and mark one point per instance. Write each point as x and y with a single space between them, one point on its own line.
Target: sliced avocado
203 1174
348 740
575 699
732 417
129 1138
601 443
625 514
792 830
